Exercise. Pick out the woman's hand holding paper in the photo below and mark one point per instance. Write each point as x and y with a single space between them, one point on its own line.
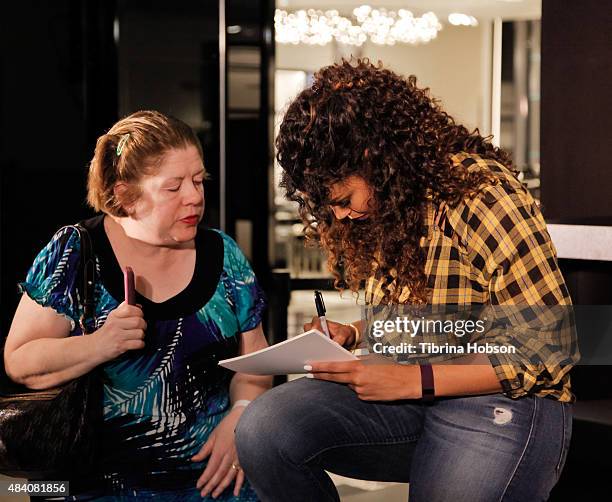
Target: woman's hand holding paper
371 381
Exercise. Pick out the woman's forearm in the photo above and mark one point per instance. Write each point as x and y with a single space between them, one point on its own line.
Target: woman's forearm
464 377
450 380
48 362
248 387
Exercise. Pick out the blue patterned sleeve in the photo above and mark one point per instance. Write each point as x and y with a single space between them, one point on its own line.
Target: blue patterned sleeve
248 297
51 280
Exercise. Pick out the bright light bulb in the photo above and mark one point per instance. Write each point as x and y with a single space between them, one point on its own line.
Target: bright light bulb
458 19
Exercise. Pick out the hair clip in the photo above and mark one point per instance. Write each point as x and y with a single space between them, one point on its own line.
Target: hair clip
122 143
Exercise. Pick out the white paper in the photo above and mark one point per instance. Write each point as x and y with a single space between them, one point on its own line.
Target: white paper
289 356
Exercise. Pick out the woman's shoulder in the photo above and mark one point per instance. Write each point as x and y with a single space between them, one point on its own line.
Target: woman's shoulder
65 241
51 279
93 224
230 247
57 262
247 296
504 199
504 175
220 234
67 238
234 260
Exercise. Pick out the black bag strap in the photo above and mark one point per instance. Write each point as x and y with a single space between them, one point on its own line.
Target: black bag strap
87 273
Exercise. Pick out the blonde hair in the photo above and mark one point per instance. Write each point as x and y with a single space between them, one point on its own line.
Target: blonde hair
131 149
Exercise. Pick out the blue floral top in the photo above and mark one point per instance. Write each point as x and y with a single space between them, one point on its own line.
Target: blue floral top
161 402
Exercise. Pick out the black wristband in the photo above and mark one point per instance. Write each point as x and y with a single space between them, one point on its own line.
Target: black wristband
427 383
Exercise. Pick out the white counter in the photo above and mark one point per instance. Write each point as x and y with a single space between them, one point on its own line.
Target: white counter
582 242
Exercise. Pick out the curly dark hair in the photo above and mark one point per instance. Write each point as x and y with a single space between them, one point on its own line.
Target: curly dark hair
360 119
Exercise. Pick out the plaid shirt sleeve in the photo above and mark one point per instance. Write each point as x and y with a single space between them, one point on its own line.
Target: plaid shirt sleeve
527 294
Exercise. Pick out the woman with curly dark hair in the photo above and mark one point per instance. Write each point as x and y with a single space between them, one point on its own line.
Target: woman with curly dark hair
423 212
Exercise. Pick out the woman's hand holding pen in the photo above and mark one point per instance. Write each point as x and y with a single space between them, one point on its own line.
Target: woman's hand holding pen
123 330
342 334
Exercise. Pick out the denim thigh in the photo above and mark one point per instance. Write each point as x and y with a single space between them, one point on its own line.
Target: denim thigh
490 448
324 425
477 448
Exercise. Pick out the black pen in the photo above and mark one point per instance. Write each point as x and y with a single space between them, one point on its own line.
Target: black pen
321 311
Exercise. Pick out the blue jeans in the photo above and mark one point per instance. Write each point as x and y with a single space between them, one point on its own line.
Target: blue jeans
479 448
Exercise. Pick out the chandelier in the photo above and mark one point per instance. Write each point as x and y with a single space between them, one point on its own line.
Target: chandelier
380 26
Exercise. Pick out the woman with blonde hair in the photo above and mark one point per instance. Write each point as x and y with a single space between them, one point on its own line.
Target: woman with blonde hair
169 409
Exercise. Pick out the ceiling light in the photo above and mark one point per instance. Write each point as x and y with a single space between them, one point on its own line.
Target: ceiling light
458 19
380 26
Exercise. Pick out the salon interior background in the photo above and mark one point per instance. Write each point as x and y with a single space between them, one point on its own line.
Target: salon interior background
70 68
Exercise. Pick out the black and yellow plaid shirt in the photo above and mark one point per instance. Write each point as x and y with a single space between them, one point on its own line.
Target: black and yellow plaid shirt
494 250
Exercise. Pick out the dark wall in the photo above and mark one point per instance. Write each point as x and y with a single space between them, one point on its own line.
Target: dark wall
576 188
576 124
589 283
58 90
576 109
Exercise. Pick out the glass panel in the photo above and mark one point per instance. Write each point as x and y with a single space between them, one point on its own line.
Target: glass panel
520 99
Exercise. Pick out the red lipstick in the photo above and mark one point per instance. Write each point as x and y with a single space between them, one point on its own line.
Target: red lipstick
190 220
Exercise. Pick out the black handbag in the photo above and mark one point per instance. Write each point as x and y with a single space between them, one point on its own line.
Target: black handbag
51 434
